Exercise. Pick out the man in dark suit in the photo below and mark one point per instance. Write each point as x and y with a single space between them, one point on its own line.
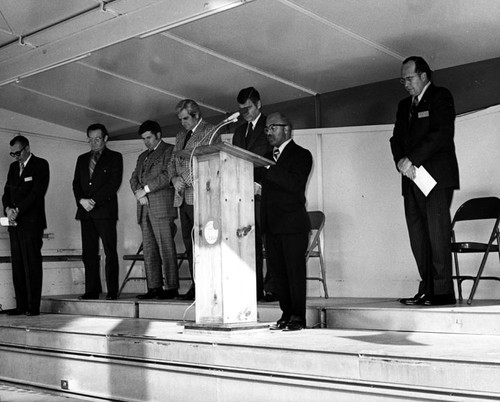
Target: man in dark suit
285 221
251 136
98 175
196 132
24 206
423 137
156 213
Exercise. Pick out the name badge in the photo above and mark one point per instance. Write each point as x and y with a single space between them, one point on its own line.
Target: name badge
28 178
423 114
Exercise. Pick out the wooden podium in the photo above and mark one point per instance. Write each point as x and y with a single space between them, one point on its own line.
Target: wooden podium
224 238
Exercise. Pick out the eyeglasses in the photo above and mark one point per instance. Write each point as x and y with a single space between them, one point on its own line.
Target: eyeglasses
273 127
96 139
17 154
408 80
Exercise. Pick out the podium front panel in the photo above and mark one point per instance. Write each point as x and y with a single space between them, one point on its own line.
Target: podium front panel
224 250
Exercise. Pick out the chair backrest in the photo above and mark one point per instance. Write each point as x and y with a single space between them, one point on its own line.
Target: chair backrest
478 208
317 219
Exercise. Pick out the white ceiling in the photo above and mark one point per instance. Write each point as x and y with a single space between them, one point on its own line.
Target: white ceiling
288 49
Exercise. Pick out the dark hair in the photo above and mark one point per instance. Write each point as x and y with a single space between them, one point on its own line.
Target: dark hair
421 65
149 125
23 141
98 126
248 93
191 107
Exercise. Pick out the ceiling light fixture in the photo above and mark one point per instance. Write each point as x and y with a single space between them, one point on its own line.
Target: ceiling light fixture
215 10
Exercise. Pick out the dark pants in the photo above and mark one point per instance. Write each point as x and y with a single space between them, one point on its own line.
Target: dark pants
27 271
92 230
186 213
265 284
287 255
429 227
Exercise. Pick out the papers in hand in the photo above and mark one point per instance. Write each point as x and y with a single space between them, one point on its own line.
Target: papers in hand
424 180
4 221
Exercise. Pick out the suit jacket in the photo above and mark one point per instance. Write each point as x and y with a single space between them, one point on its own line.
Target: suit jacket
283 208
153 172
180 165
427 138
258 143
101 187
27 192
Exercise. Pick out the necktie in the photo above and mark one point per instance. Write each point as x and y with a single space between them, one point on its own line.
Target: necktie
188 136
413 109
21 168
93 162
276 154
248 134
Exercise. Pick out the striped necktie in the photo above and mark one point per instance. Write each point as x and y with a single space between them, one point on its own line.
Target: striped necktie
93 161
21 168
276 154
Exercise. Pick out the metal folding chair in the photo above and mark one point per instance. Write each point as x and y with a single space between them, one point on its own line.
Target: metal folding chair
315 249
472 210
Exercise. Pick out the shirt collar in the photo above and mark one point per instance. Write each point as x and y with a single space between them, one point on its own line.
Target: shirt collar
195 127
419 97
27 160
254 122
282 146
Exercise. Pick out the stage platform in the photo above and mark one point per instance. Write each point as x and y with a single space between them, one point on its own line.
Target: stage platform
368 350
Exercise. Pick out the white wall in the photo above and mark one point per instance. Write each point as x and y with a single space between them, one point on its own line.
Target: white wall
354 182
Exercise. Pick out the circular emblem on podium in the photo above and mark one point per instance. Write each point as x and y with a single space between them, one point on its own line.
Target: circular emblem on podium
210 232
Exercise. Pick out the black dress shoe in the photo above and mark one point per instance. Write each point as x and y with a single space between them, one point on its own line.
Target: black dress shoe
168 294
111 296
189 295
151 294
32 313
280 324
14 311
440 300
416 300
89 296
294 326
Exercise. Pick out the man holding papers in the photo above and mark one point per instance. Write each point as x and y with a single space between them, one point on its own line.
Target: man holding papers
424 152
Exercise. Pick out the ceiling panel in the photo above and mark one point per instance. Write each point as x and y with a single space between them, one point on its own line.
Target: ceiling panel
290 45
19 100
289 49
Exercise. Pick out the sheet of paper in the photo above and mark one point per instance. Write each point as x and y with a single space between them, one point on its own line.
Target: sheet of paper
424 180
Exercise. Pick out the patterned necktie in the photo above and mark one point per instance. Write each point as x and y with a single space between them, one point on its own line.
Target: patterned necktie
93 162
188 136
413 109
21 168
248 134
276 154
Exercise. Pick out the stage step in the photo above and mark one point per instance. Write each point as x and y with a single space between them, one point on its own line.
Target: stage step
481 318
128 306
128 359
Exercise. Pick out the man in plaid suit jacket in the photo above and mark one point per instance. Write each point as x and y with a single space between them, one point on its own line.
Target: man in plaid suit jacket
197 132
156 213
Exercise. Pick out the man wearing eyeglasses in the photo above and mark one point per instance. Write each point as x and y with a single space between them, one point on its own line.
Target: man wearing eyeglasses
250 136
98 175
24 206
285 222
423 137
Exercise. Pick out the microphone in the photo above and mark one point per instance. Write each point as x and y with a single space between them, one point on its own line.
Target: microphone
233 118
